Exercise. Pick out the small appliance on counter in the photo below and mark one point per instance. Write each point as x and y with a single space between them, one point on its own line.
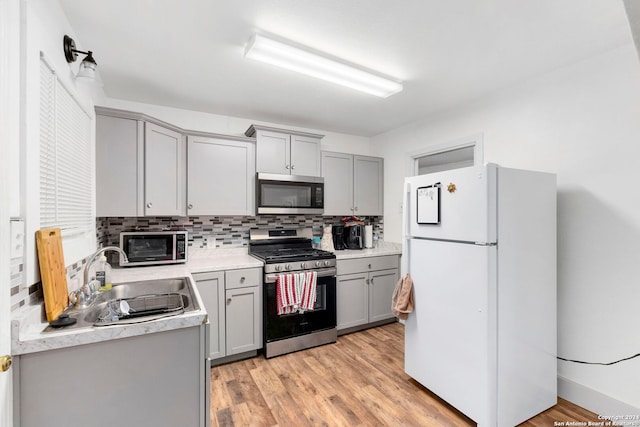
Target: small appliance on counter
338 237
353 236
153 247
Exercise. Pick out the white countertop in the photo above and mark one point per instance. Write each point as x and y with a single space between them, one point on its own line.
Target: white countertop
386 248
28 324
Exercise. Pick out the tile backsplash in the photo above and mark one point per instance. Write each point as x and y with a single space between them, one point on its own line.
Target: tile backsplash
229 231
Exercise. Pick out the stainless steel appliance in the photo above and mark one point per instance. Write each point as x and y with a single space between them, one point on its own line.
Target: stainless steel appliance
153 247
353 236
289 194
290 251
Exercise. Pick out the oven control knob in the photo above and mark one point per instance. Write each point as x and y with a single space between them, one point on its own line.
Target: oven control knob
326 263
303 265
318 263
287 267
278 267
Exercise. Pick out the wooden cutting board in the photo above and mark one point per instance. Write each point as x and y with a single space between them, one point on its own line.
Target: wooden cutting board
52 271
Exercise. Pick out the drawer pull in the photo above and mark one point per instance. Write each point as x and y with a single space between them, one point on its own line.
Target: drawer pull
369 265
242 279
228 301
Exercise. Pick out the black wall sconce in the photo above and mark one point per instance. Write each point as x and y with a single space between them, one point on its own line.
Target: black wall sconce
88 64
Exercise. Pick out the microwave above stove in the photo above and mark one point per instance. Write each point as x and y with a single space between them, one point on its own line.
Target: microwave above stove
153 247
289 194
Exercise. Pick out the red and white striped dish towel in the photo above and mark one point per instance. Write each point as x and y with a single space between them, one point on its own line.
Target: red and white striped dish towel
296 292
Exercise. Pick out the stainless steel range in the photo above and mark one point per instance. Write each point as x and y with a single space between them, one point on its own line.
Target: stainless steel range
290 251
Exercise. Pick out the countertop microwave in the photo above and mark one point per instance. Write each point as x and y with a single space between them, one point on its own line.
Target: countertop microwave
289 194
153 247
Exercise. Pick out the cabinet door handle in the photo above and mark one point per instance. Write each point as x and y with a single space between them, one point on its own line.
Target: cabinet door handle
366 281
355 209
293 167
149 205
228 301
286 167
190 206
372 280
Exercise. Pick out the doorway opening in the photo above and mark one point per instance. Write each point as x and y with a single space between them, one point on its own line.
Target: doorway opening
464 152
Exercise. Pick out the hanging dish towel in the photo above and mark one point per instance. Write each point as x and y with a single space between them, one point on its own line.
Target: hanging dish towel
307 292
287 299
402 301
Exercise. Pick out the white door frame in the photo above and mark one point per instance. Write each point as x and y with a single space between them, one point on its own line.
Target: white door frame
9 134
476 141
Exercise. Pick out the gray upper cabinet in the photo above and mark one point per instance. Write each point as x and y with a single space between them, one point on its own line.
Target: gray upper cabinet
164 171
221 176
367 185
286 152
353 184
119 166
140 167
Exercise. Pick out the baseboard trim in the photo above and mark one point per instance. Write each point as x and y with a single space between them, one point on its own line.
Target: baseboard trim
593 400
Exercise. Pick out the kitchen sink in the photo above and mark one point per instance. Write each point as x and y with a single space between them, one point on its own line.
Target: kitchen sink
145 300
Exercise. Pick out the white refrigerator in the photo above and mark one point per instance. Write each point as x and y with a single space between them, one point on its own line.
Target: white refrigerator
480 246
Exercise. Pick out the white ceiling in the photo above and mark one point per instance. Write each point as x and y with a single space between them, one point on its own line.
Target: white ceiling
189 53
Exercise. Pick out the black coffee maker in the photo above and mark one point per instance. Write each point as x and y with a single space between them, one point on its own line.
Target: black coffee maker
338 237
354 237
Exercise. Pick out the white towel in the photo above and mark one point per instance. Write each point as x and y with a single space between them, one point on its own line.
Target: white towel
296 292
308 290
286 293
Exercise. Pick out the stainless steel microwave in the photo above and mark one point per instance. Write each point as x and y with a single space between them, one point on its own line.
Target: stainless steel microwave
153 247
289 194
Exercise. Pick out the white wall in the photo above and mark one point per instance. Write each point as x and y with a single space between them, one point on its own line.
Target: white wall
228 125
581 122
44 28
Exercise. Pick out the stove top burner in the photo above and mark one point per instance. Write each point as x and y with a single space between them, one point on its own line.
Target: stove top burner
271 256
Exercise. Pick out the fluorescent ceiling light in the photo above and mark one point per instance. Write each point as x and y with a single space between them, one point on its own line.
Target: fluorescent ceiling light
293 58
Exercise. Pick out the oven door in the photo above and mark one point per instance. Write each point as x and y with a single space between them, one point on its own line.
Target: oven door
291 325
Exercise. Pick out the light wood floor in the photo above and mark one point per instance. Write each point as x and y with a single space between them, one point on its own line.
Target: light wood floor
359 381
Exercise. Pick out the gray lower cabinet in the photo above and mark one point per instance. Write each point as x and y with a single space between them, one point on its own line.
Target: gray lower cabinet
353 184
364 290
233 300
156 379
221 176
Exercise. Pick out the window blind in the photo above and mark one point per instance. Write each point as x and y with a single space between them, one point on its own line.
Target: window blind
65 158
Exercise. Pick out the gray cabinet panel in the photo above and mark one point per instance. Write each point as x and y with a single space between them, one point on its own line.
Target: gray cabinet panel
221 177
148 380
119 157
244 314
305 155
381 286
286 152
365 288
352 300
337 170
367 185
164 169
353 184
211 289
273 152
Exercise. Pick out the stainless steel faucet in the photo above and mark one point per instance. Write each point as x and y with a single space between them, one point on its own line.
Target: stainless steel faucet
85 294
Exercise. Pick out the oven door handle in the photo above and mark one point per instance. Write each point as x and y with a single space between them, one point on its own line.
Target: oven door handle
322 272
